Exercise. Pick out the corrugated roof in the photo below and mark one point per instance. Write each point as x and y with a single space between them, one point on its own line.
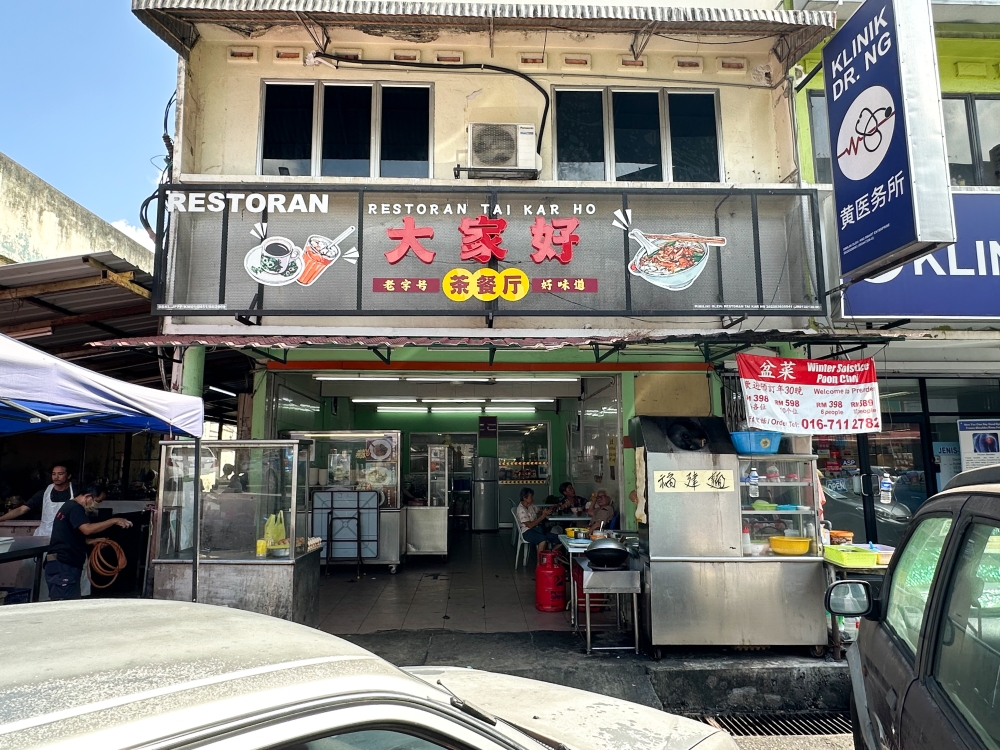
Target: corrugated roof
175 21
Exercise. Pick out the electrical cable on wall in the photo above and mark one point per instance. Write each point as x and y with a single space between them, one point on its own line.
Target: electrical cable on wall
323 56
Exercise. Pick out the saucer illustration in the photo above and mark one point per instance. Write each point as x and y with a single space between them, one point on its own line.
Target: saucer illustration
275 262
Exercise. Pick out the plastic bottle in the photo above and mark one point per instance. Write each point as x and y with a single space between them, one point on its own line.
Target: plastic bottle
747 544
754 482
885 489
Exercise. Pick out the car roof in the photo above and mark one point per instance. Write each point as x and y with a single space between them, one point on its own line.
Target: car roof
70 665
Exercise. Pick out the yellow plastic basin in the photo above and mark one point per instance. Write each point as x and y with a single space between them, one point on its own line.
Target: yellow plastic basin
790 545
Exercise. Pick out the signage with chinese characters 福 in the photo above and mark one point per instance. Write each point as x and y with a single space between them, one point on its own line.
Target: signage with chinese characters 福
693 480
810 396
339 250
890 172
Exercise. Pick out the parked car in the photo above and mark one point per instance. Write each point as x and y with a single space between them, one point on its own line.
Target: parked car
115 674
844 510
926 666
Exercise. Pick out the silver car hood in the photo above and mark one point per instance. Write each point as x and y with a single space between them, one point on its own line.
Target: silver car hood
577 719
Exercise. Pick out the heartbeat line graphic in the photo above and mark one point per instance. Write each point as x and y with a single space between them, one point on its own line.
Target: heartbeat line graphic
868 135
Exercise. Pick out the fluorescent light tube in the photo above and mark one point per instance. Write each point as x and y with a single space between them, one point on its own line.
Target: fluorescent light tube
383 400
456 410
223 391
453 379
522 400
354 378
536 380
401 409
453 400
510 409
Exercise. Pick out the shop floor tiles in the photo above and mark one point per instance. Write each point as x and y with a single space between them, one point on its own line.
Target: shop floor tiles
477 590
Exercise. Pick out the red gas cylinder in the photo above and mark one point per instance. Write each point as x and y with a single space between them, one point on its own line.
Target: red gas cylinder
550 584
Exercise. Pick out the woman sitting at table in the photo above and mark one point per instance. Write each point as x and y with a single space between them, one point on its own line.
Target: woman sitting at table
571 502
601 512
530 520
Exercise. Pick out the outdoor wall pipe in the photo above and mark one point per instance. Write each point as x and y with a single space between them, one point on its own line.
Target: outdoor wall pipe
196 532
448 66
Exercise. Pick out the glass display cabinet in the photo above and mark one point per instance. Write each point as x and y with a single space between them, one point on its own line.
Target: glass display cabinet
360 461
783 505
524 461
252 521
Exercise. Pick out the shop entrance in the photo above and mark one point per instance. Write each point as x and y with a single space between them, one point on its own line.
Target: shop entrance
441 553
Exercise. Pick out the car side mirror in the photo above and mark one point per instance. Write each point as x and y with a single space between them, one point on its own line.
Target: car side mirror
850 599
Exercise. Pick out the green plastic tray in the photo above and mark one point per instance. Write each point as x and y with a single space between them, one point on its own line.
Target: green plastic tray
850 556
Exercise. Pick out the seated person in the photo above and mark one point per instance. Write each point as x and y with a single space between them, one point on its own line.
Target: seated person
530 521
570 500
601 512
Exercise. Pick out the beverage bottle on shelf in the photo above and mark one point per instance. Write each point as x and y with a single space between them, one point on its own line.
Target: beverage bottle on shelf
747 545
754 482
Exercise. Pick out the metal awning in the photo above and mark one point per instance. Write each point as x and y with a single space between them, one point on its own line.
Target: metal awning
176 21
543 343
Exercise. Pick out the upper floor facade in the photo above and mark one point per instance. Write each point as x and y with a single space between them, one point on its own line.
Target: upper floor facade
595 134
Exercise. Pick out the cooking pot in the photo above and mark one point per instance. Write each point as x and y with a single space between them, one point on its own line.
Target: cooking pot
606 553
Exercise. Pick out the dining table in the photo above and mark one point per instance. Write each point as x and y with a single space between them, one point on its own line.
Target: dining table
27 548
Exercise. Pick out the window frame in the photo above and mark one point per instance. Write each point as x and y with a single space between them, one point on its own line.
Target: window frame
929 656
316 136
810 95
942 570
375 147
666 152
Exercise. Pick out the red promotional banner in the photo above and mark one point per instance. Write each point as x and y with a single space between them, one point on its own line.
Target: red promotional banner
810 396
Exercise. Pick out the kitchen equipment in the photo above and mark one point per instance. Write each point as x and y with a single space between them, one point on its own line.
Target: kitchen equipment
485 513
606 553
756 442
702 585
789 545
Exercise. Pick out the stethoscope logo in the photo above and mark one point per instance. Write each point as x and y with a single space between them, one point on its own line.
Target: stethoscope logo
866 133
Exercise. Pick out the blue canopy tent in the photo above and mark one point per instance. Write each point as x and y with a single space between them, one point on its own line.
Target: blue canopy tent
40 393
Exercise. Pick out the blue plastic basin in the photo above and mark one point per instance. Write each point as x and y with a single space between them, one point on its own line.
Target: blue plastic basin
756 442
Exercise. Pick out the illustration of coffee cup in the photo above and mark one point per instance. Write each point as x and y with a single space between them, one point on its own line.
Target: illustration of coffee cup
276 253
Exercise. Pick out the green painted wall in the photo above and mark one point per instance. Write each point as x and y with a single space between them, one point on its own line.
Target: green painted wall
966 66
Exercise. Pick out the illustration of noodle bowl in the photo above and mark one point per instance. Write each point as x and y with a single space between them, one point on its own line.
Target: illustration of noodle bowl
671 261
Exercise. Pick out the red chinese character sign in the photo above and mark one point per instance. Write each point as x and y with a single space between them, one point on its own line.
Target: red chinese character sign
546 236
810 396
481 238
409 239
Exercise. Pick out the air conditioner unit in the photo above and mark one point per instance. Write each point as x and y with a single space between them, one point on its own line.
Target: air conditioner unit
501 146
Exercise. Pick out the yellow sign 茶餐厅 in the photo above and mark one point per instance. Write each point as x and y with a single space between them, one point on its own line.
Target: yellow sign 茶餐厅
693 480
486 284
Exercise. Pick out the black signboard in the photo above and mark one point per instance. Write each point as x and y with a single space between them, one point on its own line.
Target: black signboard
329 251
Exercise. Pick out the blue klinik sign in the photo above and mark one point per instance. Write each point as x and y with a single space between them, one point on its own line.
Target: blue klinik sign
889 172
960 281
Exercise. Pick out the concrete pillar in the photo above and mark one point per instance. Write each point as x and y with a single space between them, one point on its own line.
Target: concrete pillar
193 377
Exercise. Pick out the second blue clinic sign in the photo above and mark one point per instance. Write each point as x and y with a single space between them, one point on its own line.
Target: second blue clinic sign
878 126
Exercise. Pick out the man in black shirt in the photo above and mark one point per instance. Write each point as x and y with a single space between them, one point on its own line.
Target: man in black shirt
69 545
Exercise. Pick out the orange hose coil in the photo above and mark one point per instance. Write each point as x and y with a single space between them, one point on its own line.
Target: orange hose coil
100 566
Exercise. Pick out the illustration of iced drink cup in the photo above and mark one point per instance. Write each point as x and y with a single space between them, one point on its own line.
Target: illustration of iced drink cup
319 253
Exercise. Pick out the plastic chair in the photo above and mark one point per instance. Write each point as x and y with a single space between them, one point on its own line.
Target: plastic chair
521 543
513 529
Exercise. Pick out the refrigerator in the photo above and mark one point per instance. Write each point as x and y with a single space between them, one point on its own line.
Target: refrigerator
484 494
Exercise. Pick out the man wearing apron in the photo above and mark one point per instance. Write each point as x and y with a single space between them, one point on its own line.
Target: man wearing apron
45 504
